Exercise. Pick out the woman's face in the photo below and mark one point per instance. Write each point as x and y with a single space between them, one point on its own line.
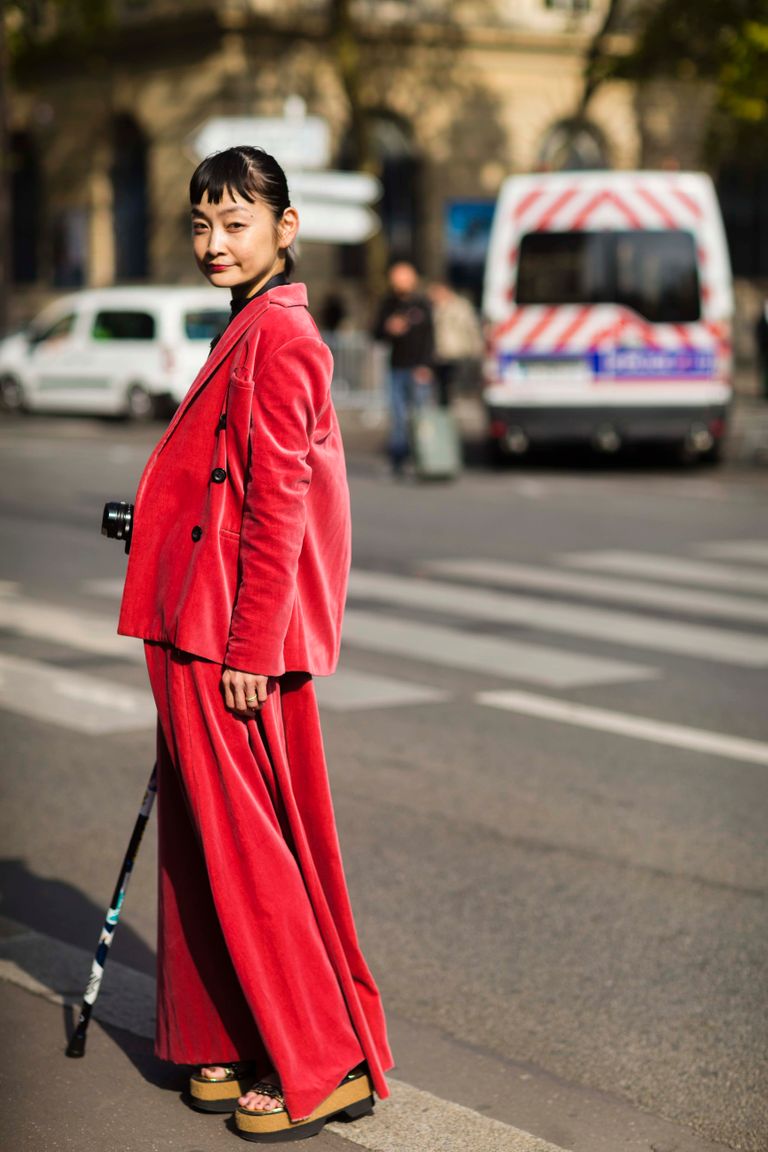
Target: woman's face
237 242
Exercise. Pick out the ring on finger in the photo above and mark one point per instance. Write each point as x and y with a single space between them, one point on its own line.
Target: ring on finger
250 699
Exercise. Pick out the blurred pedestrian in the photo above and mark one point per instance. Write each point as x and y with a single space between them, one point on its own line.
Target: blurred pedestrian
333 312
458 338
236 581
404 322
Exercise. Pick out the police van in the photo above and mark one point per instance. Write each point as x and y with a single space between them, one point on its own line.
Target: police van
609 305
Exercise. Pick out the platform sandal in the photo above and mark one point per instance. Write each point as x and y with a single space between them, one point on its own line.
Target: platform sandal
222 1093
352 1099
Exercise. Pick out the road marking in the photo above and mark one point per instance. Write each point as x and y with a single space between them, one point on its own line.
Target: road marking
110 589
688 600
409 1121
625 724
753 551
513 659
349 691
678 571
55 695
706 643
84 631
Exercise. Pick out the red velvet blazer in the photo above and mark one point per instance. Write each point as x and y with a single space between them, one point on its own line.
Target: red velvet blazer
241 540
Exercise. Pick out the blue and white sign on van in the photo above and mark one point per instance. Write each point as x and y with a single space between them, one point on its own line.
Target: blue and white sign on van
655 363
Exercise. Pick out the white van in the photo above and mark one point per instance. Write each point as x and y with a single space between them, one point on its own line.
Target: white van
112 351
609 305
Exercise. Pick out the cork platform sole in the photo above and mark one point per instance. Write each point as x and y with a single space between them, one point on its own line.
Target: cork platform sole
220 1095
352 1099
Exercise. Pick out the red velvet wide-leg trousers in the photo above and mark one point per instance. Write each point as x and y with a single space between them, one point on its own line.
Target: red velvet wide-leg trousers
257 953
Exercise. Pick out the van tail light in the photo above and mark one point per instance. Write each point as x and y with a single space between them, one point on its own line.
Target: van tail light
167 360
498 429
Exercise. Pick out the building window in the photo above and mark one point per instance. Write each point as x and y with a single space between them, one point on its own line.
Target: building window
25 208
129 192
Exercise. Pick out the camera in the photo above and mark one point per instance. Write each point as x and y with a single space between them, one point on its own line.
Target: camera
117 521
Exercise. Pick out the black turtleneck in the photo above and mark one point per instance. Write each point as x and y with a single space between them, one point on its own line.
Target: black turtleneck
237 304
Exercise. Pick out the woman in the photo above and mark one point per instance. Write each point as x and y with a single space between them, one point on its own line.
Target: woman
236 581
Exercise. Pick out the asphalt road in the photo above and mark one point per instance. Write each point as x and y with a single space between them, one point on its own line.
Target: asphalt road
548 895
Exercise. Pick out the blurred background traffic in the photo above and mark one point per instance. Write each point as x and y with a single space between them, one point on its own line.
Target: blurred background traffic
398 124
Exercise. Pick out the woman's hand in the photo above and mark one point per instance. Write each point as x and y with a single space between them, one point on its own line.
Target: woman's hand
243 691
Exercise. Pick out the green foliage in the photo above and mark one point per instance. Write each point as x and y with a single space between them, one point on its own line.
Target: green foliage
39 28
690 39
720 42
743 75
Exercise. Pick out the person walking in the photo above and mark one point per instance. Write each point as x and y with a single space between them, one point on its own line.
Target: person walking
404 322
236 582
458 338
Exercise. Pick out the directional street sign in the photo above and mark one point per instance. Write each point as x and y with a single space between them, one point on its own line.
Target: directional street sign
347 187
294 141
335 223
333 206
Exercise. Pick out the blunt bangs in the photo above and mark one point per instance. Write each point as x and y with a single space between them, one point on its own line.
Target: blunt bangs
250 173
223 172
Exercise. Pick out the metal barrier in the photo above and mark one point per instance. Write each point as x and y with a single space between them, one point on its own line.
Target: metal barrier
359 371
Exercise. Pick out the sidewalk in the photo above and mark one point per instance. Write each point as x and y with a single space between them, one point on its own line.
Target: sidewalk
119 1098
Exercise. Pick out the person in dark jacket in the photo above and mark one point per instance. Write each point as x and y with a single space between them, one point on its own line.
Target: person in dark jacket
405 323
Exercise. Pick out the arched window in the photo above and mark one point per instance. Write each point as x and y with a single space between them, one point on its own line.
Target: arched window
572 145
129 195
25 208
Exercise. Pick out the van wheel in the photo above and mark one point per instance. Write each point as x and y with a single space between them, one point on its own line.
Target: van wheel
11 394
139 405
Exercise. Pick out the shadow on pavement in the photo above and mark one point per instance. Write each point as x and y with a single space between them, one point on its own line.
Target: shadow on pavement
56 908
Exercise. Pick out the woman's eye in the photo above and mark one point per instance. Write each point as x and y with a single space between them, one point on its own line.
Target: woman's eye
234 227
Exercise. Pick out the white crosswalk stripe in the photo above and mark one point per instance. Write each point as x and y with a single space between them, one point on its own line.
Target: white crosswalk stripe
70 627
515 660
689 601
673 568
752 551
705 643
405 617
348 690
625 724
68 699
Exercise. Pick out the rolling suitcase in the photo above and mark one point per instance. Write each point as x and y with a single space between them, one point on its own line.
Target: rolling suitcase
435 444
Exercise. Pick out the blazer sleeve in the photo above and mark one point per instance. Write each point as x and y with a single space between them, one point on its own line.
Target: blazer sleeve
289 394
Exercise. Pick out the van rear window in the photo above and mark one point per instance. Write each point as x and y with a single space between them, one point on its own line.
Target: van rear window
120 325
205 324
654 273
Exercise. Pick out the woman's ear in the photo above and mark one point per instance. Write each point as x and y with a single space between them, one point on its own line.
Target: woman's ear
287 228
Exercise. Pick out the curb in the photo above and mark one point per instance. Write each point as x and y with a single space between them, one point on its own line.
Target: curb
411 1120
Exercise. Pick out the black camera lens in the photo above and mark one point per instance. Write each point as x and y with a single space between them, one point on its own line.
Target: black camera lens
117 521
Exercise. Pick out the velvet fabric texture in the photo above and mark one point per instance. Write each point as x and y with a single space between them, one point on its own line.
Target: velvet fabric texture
241 540
258 957
240 556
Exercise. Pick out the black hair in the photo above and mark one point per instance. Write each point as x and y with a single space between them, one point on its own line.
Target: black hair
250 173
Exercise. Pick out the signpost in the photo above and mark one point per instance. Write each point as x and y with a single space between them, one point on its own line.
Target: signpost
333 206
295 142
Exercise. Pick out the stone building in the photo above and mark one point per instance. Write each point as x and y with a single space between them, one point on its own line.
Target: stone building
456 95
